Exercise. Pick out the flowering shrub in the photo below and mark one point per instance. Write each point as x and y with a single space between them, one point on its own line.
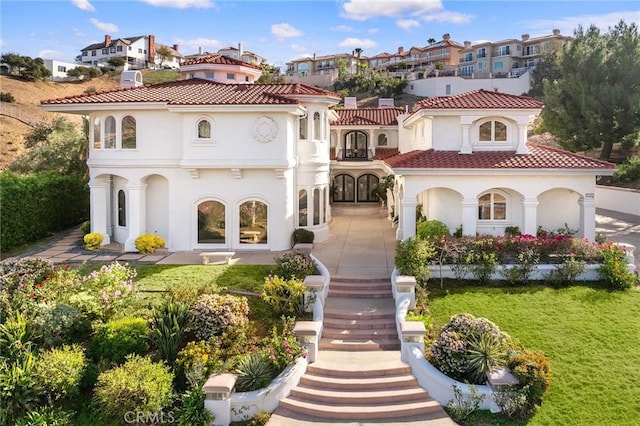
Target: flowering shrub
197 362
113 284
93 241
534 375
450 352
148 243
60 371
213 313
284 296
413 256
294 265
58 323
282 348
613 271
27 271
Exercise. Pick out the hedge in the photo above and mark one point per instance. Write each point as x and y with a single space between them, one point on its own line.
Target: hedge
35 205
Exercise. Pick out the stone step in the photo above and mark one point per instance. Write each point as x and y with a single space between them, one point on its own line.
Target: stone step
359 369
337 411
359 286
361 294
365 314
338 279
401 381
358 333
358 345
353 324
372 397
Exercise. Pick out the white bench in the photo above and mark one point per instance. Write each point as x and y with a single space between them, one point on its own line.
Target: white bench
208 254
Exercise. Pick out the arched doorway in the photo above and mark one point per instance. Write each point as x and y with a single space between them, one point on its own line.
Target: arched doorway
367 187
344 189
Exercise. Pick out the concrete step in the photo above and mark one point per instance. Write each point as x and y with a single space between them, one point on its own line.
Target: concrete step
358 333
338 279
401 381
384 396
358 345
361 294
354 324
337 411
360 286
359 370
366 314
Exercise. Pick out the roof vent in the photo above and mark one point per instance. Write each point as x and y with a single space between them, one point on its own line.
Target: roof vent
350 102
130 79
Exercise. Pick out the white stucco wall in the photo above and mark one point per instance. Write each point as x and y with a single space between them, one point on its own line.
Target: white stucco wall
622 200
430 87
447 133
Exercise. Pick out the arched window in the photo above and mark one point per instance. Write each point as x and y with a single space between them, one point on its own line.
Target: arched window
122 208
326 205
253 222
128 132
316 125
355 146
204 129
302 208
97 143
492 131
211 222
367 188
382 140
344 188
303 127
316 206
110 133
492 206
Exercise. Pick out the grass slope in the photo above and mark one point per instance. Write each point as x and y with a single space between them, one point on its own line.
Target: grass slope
591 336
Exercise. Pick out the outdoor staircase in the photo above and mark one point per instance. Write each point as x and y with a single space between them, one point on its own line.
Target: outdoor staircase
359 377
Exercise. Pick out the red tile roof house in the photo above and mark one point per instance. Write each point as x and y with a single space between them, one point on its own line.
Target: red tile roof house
210 165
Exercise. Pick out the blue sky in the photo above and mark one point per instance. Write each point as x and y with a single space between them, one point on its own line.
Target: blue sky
283 30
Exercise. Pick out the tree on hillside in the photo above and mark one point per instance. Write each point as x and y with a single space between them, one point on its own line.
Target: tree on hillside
596 101
117 62
25 66
270 74
58 146
14 61
546 69
83 73
164 54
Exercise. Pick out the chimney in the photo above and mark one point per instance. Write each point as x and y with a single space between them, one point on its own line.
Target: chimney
152 49
467 44
525 37
176 48
107 40
200 50
400 49
556 31
314 56
446 37
240 51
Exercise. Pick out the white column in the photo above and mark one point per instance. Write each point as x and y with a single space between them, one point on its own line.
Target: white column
530 216
466 144
469 212
408 218
135 215
588 216
100 205
522 139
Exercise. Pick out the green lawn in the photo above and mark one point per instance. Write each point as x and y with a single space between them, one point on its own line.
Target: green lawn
591 336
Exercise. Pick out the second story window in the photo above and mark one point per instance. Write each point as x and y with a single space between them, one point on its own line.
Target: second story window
97 142
382 140
94 53
316 125
204 129
105 51
304 121
493 131
504 50
231 76
210 75
119 48
482 52
468 57
110 133
112 50
355 146
85 53
128 132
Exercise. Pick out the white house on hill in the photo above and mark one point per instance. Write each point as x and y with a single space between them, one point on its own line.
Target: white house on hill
240 166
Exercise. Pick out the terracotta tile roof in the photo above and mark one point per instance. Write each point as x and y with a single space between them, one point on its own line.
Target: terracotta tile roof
197 91
219 59
539 157
479 99
368 117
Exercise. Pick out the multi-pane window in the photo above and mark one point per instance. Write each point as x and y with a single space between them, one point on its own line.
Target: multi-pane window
468 57
498 66
62 68
119 48
94 53
504 50
493 131
128 132
231 76
492 206
105 51
110 133
466 70
210 75
112 50
482 52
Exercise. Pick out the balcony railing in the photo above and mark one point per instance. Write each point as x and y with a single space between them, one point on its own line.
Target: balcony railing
356 154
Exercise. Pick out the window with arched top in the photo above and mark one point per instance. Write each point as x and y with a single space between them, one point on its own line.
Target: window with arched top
316 206
382 140
204 129
303 127
122 208
128 132
492 131
316 125
110 133
355 146
97 139
492 206
302 208
254 222
211 222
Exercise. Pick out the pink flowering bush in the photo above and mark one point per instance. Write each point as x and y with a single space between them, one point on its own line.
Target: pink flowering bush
212 314
113 285
282 348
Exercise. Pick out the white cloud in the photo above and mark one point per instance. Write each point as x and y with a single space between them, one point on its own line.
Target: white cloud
2 43
198 42
361 10
84 5
450 17
343 29
181 4
104 26
352 42
78 33
568 24
298 48
282 31
50 54
373 30
407 24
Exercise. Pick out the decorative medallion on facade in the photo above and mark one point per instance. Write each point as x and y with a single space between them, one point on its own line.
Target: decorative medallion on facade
265 129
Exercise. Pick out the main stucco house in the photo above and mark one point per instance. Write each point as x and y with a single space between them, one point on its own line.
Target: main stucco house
240 166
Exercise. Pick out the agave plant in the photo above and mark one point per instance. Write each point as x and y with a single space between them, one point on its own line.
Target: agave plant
254 372
484 353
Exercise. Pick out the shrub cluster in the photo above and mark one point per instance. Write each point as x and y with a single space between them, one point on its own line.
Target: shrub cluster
214 313
60 371
35 205
432 229
284 296
413 256
93 241
148 243
294 265
117 339
301 235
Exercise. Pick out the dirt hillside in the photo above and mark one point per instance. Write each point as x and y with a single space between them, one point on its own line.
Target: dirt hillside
27 98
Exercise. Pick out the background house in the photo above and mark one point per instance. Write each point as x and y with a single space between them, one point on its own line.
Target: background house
138 52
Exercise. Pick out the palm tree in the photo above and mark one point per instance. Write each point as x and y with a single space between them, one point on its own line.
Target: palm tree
358 52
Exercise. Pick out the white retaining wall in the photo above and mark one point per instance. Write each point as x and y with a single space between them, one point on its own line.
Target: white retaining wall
623 200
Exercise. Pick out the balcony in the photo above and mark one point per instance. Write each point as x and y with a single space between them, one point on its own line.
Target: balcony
355 154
